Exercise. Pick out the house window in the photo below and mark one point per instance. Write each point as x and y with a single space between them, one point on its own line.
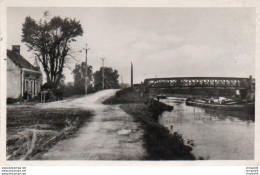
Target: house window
26 86
36 87
32 89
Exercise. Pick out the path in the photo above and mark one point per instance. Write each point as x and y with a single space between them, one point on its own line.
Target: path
111 135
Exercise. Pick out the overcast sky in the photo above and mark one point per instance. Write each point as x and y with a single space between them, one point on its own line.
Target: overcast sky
162 42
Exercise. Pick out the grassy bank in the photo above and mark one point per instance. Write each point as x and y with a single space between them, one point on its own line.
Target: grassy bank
158 142
32 131
127 95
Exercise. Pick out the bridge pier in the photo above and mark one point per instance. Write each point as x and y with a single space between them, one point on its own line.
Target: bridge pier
251 90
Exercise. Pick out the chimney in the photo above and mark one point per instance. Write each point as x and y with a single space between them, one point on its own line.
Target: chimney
16 48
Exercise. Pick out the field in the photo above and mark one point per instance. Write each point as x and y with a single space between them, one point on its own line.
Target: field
32 131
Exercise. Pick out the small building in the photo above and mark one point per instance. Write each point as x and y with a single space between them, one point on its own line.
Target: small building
22 76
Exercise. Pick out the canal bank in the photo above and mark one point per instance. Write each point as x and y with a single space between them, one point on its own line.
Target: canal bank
210 134
216 134
159 143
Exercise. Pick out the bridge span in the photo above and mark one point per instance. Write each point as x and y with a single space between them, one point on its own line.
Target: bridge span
200 82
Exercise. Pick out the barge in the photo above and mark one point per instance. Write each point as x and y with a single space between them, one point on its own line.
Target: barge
230 106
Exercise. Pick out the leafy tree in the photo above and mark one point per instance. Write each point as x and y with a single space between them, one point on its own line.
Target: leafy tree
50 41
124 85
79 77
110 78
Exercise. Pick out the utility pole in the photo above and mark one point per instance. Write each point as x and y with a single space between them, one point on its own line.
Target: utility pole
121 79
131 74
86 69
103 78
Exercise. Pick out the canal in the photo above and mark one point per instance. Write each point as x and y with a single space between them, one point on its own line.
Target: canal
217 135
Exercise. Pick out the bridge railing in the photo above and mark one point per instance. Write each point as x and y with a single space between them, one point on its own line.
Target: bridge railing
200 82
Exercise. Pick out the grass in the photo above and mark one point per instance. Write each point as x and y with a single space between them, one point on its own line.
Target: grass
32 131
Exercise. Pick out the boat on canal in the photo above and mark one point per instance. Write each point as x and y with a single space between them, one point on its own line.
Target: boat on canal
226 105
161 96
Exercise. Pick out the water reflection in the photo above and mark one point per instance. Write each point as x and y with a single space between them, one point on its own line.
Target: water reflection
231 115
218 135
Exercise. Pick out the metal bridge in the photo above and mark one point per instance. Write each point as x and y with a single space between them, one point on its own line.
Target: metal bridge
199 82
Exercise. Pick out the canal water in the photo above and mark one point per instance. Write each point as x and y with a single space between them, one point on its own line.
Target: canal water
217 135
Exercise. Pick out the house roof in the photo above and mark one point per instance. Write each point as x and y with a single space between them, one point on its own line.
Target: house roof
20 60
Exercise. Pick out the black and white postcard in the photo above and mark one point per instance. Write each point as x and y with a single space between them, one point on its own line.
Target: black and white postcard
124 83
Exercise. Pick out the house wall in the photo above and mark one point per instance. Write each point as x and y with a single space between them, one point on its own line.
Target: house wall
13 80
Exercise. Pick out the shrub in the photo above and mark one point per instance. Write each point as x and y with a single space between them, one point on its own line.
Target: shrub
12 100
127 95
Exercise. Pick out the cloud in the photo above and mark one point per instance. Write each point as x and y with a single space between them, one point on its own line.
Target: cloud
156 42
191 60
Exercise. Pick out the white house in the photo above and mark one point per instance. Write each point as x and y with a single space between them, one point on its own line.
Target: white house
22 76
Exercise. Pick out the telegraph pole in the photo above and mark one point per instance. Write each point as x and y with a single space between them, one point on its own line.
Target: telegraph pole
121 79
103 78
86 69
131 74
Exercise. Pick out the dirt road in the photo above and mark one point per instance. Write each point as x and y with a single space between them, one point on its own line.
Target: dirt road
111 135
